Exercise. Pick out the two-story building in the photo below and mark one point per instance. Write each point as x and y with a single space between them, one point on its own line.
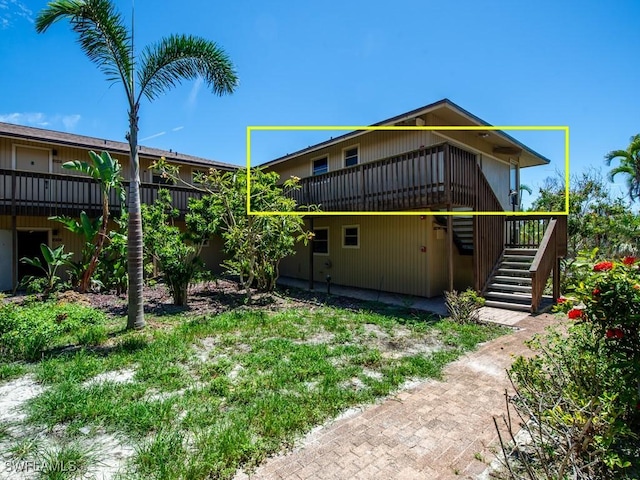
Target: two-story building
507 258
34 187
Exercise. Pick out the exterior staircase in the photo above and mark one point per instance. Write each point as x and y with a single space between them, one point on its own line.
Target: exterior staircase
510 284
462 230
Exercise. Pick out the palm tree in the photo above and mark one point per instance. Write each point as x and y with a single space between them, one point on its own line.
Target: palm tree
106 41
629 166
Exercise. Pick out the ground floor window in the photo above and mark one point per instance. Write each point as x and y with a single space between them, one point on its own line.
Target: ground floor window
350 236
321 240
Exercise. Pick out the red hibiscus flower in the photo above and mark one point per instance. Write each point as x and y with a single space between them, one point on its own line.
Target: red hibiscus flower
575 313
619 333
596 292
602 267
562 299
629 260
610 333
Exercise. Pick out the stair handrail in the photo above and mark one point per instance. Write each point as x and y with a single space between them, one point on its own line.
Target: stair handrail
488 231
543 262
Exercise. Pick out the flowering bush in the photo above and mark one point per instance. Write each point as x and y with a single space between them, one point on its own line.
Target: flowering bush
581 391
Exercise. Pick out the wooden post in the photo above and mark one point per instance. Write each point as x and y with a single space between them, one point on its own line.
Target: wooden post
450 247
14 253
311 255
363 192
556 280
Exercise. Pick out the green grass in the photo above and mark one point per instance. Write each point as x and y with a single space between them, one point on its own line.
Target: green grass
264 380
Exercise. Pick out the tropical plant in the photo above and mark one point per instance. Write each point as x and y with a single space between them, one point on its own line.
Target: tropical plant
53 259
464 307
629 166
173 250
112 268
106 171
106 41
88 229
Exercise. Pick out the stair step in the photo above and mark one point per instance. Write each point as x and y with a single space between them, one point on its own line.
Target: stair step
510 297
508 306
519 258
510 264
510 287
521 251
512 271
511 279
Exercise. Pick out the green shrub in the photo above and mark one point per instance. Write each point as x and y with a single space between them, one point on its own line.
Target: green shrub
581 391
27 330
464 307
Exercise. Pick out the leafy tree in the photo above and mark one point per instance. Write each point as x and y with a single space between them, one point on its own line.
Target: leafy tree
256 243
629 166
175 252
596 219
106 41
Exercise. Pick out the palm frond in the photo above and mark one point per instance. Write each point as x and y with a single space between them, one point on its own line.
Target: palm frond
101 34
621 169
185 57
620 154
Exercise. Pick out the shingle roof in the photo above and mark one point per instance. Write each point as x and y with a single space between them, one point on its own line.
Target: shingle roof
73 140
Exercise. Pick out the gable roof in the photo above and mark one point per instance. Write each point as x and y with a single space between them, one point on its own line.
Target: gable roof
457 115
53 137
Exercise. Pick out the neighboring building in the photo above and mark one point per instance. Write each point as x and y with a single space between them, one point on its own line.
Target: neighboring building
34 186
508 259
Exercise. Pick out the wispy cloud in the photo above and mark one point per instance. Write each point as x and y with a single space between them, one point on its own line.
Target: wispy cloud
12 11
159 134
39 119
193 94
155 135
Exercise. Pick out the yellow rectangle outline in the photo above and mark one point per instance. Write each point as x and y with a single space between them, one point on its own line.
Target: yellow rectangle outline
563 128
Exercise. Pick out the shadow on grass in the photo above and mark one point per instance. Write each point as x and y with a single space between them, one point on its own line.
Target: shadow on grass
399 313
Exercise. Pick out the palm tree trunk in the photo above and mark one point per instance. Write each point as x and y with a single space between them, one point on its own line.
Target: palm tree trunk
135 314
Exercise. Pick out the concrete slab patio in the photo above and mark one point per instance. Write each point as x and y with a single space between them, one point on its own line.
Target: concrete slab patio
436 430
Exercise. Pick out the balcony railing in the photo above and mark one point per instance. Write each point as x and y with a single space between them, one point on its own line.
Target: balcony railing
49 194
433 176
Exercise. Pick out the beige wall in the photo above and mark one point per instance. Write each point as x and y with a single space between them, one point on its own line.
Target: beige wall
497 173
66 154
389 258
371 146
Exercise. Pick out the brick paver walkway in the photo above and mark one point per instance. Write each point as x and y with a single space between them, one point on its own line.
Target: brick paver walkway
437 430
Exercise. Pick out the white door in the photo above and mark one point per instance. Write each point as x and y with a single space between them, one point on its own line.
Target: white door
6 254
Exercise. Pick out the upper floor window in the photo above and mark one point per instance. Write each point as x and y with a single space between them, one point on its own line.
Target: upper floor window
320 166
350 156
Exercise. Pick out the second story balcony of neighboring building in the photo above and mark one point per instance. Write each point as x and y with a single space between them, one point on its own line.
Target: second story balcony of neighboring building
48 194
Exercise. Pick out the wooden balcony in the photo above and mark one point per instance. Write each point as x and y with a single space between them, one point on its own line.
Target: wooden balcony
49 194
435 176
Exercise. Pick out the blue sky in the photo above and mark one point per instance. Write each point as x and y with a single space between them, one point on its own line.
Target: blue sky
347 63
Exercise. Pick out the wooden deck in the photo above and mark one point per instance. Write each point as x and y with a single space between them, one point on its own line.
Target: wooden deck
428 177
49 194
